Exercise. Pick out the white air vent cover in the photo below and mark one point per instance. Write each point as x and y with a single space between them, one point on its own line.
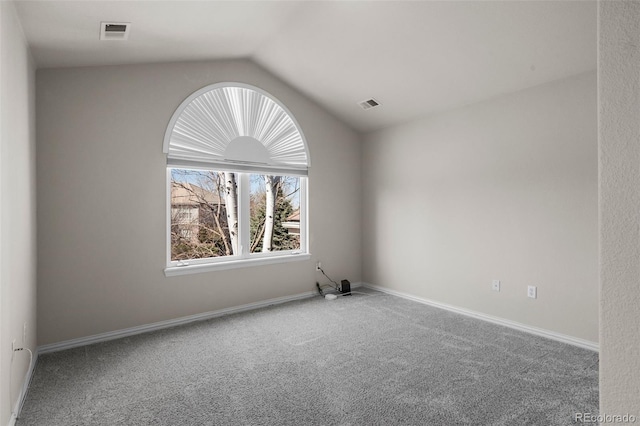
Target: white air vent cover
369 103
114 30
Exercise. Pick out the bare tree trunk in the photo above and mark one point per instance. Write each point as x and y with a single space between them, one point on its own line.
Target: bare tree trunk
220 231
271 188
258 236
231 195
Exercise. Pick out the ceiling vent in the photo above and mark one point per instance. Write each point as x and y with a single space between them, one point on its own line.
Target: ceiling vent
368 104
114 30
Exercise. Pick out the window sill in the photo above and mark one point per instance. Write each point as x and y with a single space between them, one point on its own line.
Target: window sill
173 271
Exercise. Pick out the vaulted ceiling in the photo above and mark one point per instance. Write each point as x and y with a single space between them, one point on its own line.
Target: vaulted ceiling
414 57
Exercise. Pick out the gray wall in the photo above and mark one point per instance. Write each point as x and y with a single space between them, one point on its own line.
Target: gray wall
17 206
619 94
102 196
505 189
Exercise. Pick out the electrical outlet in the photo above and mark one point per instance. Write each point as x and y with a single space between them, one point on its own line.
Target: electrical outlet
318 266
24 334
532 292
495 285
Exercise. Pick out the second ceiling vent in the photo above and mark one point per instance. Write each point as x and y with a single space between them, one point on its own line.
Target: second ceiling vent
114 30
369 103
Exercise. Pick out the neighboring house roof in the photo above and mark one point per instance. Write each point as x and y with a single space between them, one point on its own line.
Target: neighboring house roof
293 217
184 193
292 223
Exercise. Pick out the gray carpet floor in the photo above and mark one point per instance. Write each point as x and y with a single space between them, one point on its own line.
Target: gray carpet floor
368 359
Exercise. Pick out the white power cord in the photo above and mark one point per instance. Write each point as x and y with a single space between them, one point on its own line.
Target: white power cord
334 296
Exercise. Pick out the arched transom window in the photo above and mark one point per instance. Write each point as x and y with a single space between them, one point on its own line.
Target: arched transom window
237 165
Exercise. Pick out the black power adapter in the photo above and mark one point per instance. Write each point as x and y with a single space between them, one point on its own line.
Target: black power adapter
345 287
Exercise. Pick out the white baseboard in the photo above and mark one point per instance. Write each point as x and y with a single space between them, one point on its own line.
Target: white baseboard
117 334
17 409
585 344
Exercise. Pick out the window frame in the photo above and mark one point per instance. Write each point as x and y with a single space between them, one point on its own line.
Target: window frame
245 258
188 147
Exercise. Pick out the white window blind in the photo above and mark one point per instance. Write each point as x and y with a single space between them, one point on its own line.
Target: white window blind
233 126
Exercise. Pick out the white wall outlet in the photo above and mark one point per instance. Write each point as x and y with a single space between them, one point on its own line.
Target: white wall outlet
532 292
495 285
24 334
318 266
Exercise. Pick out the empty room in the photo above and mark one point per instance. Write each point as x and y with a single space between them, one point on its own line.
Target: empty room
319 212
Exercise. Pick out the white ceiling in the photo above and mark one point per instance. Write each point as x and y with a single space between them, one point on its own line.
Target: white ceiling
415 57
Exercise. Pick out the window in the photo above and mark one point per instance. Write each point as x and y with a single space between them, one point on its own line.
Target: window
207 207
237 181
273 200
